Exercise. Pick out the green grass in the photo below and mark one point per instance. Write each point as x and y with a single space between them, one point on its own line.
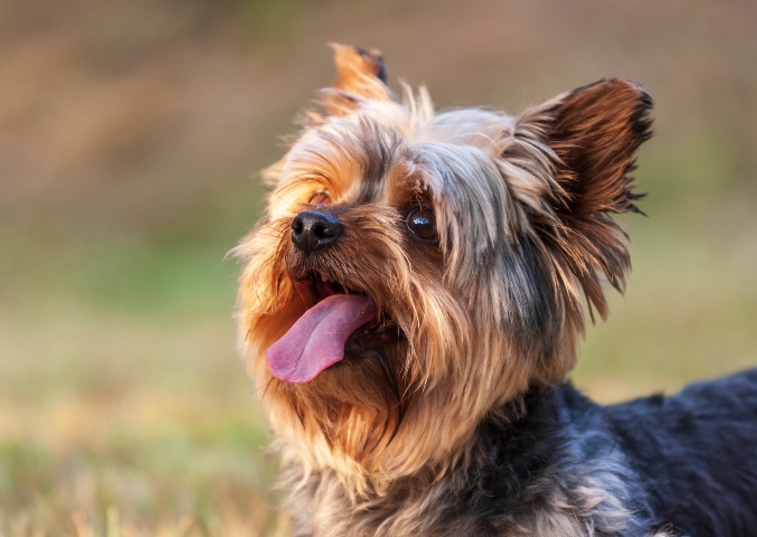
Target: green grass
152 420
125 408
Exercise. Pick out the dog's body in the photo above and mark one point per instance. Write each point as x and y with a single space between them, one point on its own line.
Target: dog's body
412 304
678 466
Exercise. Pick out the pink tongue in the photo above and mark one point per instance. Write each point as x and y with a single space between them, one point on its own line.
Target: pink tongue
317 339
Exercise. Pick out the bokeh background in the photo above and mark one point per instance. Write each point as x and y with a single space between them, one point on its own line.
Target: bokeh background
131 133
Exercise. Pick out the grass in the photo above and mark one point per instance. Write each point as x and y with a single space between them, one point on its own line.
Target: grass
150 422
125 408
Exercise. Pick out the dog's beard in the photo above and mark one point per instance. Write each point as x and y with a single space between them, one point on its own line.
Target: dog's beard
358 407
343 360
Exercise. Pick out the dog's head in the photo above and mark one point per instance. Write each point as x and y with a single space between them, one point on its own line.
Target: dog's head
414 270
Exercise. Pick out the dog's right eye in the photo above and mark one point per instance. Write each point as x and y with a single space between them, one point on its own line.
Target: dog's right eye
422 223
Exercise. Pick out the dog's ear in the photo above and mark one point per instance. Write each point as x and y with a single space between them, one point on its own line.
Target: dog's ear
353 64
361 77
590 135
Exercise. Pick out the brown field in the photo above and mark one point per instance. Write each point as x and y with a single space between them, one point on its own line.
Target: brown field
131 133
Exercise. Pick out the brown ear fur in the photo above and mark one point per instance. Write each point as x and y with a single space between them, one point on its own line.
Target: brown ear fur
354 62
361 76
593 132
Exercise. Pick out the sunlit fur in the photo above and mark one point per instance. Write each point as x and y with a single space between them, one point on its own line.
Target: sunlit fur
493 309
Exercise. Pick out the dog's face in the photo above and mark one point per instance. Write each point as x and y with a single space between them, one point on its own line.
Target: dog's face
415 270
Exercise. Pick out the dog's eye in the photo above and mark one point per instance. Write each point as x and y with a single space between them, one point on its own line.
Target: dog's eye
320 198
422 223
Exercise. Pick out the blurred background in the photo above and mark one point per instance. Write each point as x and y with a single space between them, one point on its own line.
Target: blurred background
131 135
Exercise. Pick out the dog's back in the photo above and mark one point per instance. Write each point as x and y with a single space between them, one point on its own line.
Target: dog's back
697 451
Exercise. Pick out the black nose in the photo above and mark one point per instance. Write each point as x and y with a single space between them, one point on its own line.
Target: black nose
312 230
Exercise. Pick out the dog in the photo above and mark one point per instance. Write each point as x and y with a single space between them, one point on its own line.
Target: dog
411 304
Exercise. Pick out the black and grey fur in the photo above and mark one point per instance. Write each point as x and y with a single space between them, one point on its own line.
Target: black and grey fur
563 466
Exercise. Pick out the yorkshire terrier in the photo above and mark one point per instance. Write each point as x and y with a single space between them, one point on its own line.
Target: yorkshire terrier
411 305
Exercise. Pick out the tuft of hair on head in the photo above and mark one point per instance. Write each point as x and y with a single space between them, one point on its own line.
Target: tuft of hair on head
591 135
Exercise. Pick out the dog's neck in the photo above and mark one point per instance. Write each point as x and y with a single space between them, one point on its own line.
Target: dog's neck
505 484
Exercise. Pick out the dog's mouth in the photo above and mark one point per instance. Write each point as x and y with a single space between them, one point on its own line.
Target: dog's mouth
342 322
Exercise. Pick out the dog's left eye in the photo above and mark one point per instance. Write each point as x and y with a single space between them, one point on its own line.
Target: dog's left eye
422 223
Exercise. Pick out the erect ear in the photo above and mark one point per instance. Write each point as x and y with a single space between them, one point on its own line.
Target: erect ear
361 77
591 134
